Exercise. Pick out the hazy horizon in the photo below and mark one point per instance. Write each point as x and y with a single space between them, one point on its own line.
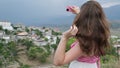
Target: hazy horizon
36 12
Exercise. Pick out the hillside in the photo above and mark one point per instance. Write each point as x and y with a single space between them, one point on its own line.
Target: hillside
115 27
113 13
115 24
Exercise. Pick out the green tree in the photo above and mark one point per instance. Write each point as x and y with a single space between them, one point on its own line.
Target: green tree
1 48
1 28
38 32
28 43
56 33
58 40
47 47
46 39
111 53
15 28
14 33
1 64
7 31
37 53
25 66
7 51
12 47
27 30
54 46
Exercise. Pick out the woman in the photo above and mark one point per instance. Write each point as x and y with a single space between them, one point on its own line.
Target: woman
91 31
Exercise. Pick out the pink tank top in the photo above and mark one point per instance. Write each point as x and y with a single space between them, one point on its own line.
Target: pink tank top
92 59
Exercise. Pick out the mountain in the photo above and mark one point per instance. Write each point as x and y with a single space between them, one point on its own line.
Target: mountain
115 24
113 13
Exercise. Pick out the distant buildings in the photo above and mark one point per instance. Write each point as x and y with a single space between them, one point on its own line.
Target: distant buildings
6 25
46 36
116 41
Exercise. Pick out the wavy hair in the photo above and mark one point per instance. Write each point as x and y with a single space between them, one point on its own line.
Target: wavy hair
93 29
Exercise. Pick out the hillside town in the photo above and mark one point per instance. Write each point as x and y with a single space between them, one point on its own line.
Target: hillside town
41 37
25 38
47 35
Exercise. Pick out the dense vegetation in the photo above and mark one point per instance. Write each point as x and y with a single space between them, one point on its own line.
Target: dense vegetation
9 52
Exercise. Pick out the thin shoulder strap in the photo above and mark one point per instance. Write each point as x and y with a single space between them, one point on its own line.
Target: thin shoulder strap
74 44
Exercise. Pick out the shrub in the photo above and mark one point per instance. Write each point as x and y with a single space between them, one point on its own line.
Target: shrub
38 53
70 41
25 66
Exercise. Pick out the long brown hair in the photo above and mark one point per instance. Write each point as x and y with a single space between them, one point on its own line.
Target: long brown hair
93 29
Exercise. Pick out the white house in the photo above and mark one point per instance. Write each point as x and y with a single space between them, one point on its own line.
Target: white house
1 34
118 48
53 40
6 25
40 42
7 38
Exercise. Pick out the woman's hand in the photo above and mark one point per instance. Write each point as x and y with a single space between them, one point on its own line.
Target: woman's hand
71 32
74 9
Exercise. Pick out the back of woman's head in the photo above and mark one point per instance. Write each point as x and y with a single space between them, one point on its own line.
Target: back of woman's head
93 29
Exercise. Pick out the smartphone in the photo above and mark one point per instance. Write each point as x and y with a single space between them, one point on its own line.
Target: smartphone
69 8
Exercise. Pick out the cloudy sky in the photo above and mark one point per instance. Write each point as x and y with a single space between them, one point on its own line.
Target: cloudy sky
41 11
109 3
